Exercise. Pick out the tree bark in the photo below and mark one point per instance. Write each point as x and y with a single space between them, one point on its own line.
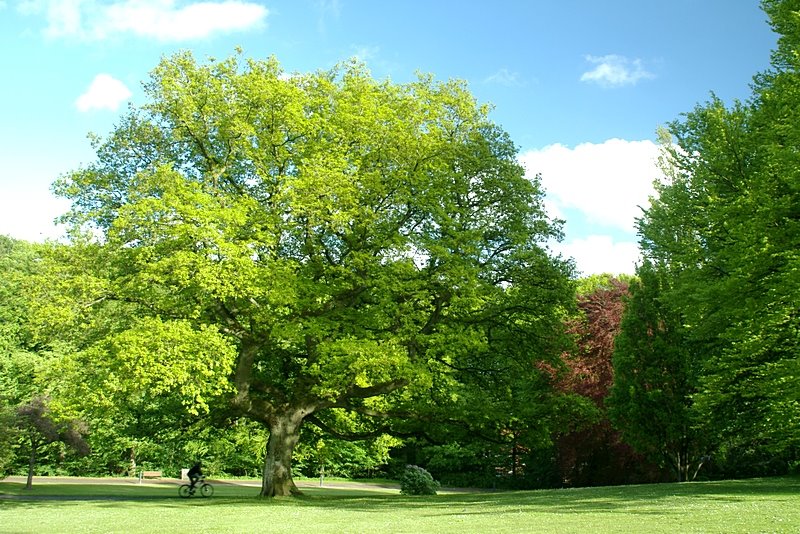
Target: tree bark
31 463
132 467
284 432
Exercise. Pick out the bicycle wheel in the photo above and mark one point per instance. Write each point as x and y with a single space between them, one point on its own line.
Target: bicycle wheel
185 491
206 490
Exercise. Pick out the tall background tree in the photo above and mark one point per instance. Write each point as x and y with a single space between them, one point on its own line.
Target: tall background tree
320 248
656 372
590 451
723 230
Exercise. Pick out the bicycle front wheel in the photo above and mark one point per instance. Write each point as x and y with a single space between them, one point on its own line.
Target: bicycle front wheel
185 491
206 490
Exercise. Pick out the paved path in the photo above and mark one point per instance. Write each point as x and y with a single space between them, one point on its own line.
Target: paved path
110 481
131 481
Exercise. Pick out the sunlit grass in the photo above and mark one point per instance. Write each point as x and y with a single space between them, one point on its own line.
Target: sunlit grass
760 505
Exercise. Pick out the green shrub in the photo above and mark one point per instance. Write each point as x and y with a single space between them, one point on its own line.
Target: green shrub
417 481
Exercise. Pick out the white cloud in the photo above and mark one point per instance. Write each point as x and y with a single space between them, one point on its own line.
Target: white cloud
28 214
615 71
606 182
165 20
105 92
597 254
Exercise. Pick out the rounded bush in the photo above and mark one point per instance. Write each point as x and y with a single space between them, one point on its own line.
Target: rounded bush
417 481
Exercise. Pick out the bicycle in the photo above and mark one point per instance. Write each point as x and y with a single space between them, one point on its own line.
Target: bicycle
205 489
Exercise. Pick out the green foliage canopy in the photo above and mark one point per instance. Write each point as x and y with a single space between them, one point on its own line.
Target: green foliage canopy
321 241
724 227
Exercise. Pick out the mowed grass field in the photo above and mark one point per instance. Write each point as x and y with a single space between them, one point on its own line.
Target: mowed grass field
747 506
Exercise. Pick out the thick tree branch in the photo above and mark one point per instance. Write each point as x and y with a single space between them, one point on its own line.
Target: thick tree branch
430 421
243 374
383 388
346 436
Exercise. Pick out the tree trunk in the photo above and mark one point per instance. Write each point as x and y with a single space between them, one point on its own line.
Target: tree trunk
683 466
132 466
31 463
284 432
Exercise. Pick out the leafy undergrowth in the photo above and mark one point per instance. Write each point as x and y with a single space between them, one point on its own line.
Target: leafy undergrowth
757 505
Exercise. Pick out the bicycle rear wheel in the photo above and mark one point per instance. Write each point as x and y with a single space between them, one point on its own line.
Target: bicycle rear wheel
206 490
185 491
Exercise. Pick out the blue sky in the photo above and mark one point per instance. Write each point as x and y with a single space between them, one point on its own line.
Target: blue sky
580 85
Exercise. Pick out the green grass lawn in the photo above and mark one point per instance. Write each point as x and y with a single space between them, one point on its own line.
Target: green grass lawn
758 505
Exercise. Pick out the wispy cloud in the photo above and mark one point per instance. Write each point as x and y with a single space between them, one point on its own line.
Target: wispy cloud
504 77
326 9
365 53
615 71
164 20
105 92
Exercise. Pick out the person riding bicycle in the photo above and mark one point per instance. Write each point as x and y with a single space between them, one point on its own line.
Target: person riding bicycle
195 474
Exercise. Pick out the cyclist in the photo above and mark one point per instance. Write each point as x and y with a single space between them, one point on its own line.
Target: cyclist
195 474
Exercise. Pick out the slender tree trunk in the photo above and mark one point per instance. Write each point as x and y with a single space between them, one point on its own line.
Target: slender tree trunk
685 474
31 463
284 432
683 466
700 463
514 458
132 467
673 462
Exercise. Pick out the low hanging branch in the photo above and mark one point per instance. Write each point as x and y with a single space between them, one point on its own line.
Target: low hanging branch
36 419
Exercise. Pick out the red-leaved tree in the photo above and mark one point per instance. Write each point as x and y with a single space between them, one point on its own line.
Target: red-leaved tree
594 455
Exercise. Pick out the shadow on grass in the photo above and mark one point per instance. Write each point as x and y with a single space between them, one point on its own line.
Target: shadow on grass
640 499
655 499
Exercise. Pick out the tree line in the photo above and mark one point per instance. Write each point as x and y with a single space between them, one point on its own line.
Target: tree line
304 273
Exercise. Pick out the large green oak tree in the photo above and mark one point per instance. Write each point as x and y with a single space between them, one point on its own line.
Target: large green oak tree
283 246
